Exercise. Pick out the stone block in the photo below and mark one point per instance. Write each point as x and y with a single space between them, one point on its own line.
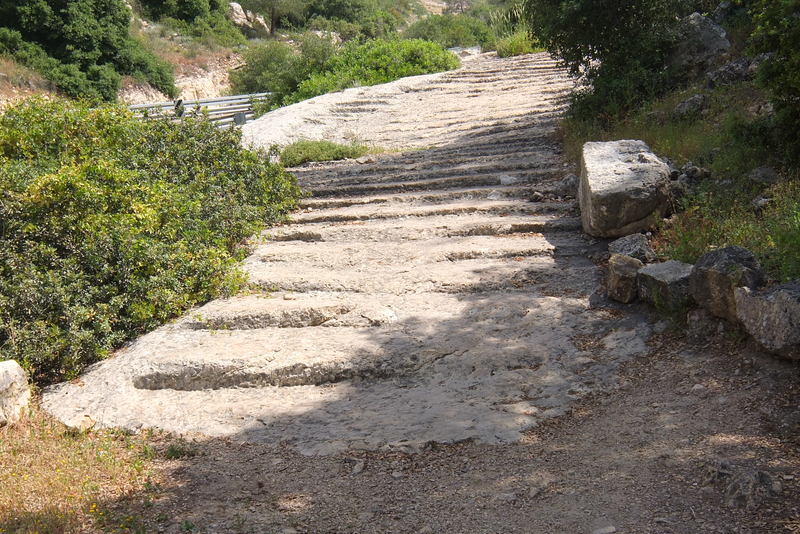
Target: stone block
772 317
621 278
665 285
700 43
635 245
717 273
624 188
14 392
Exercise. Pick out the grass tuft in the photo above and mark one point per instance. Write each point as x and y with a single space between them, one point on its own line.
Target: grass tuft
304 151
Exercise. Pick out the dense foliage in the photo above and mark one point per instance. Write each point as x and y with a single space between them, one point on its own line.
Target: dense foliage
82 46
451 30
375 62
778 32
110 225
206 20
320 68
617 48
349 18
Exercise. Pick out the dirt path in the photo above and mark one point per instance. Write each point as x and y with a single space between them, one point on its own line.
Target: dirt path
436 354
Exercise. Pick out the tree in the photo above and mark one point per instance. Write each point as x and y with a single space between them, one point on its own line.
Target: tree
617 47
275 10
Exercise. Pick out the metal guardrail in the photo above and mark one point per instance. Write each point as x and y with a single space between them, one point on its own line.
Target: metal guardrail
226 111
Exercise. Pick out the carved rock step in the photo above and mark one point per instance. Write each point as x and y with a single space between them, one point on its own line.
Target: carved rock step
364 212
445 195
448 101
421 228
390 186
446 368
409 167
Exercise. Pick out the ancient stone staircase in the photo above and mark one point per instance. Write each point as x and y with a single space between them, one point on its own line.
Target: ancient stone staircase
417 296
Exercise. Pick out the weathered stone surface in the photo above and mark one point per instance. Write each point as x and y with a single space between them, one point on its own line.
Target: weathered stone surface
772 317
700 43
730 73
765 175
624 188
690 107
416 298
747 490
665 285
634 245
237 15
717 273
621 281
14 392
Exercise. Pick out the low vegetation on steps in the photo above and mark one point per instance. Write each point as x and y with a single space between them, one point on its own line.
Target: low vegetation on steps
111 225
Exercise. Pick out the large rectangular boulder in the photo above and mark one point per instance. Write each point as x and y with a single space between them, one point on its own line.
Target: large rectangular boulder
624 188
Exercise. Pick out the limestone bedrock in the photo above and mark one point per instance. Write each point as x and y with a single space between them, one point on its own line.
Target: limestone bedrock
418 296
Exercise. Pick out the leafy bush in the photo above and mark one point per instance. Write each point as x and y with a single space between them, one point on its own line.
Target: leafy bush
452 30
275 68
82 46
320 68
373 18
303 151
375 62
111 225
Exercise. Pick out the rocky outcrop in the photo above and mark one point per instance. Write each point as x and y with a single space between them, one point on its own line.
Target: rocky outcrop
765 175
700 44
772 317
665 285
717 273
14 392
730 73
624 188
635 245
237 15
690 107
621 281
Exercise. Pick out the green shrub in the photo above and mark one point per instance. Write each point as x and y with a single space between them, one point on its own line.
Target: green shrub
82 46
275 68
375 62
321 69
111 225
721 214
303 151
373 18
452 30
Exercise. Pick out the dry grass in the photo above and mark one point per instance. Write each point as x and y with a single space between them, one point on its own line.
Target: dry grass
54 480
17 82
